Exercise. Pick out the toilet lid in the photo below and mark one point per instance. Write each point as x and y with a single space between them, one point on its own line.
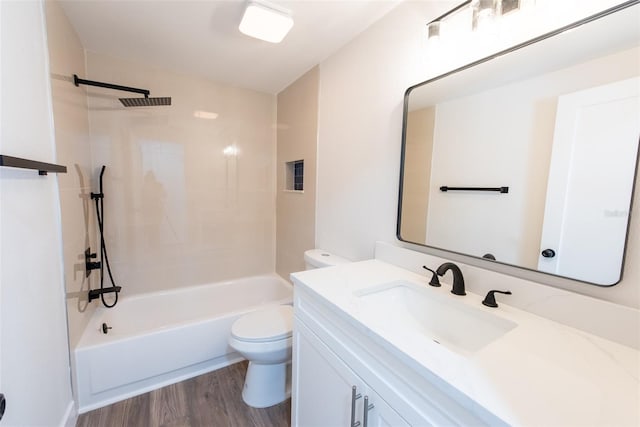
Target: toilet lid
270 324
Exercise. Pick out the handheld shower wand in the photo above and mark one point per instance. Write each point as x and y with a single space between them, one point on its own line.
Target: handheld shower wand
99 293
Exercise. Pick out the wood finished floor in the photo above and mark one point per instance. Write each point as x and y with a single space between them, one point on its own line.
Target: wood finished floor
213 399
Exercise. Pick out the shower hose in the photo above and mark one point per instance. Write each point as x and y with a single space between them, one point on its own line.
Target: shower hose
103 248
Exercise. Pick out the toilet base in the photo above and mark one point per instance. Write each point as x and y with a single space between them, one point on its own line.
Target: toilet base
267 384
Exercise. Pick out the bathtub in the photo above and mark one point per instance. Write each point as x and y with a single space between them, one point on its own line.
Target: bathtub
165 337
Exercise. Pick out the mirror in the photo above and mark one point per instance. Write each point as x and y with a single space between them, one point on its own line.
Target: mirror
530 156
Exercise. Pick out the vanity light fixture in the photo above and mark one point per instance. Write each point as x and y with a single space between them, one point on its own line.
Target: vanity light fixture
484 7
434 27
433 31
482 13
266 21
509 6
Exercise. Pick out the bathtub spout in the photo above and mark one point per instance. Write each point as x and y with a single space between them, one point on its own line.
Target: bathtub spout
95 293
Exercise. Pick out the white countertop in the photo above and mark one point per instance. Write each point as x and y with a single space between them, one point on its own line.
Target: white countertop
541 373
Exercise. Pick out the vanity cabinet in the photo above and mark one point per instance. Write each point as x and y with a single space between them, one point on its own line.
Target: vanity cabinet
329 393
332 353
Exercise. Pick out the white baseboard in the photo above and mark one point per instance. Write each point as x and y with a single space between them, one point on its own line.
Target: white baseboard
70 416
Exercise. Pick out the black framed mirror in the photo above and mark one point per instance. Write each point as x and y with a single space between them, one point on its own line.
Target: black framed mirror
530 156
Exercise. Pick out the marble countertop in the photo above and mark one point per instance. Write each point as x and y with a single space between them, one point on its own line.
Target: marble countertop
540 373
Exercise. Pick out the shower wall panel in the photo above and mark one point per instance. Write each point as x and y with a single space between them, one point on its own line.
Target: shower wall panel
189 188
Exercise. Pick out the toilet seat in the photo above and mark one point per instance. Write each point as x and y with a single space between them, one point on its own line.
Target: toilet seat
271 324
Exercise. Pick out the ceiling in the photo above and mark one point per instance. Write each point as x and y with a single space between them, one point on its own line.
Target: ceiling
202 37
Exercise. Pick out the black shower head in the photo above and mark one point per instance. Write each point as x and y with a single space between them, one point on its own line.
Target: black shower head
146 101
127 102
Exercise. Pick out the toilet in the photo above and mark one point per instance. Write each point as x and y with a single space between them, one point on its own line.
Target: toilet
317 258
264 338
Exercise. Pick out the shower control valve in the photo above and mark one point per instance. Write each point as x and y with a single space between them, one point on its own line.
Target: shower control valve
90 265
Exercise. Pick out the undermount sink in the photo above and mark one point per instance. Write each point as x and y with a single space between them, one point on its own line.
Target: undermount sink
415 309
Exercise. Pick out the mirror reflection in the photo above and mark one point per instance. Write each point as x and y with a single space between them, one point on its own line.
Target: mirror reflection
558 123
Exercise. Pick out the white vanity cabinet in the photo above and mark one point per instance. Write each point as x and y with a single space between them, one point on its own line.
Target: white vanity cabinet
332 354
329 393
426 357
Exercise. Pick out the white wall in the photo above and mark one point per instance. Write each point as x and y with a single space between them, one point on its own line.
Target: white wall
34 369
360 117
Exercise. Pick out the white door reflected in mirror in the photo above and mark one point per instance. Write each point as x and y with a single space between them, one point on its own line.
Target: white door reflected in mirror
590 182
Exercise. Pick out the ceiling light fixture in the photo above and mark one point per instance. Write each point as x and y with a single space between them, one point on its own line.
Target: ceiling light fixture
266 21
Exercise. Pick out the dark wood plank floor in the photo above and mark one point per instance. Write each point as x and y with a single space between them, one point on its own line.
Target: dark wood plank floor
213 399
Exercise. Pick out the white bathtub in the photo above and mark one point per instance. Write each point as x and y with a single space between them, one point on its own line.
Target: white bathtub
165 337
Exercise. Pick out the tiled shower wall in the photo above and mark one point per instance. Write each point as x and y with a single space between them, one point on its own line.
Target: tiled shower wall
190 188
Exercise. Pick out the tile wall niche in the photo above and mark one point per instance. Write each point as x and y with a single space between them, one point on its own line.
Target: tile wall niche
189 188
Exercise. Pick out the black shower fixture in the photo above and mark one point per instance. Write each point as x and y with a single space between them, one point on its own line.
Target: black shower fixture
100 265
146 101
127 102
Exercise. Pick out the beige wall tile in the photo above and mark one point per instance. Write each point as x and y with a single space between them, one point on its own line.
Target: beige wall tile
297 140
417 174
178 210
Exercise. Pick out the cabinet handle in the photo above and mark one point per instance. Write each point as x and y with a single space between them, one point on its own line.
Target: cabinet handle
354 396
367 408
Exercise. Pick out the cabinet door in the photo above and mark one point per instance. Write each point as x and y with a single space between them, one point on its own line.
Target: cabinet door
322 388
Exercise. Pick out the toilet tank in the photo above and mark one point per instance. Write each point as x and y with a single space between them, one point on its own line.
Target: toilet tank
318 258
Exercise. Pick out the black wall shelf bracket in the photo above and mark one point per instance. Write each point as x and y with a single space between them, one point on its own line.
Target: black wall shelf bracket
496 189
41 167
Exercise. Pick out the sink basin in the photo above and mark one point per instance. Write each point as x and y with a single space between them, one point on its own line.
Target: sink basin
416 309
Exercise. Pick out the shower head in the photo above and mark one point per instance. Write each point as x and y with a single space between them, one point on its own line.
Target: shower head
127 102
146 101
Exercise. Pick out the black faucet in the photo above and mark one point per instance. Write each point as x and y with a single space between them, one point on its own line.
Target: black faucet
458 280
490 299
434 277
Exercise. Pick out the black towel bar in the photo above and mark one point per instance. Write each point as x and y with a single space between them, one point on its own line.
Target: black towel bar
42 168
496 189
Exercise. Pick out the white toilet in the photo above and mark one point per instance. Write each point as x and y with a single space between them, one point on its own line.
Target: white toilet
264 338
